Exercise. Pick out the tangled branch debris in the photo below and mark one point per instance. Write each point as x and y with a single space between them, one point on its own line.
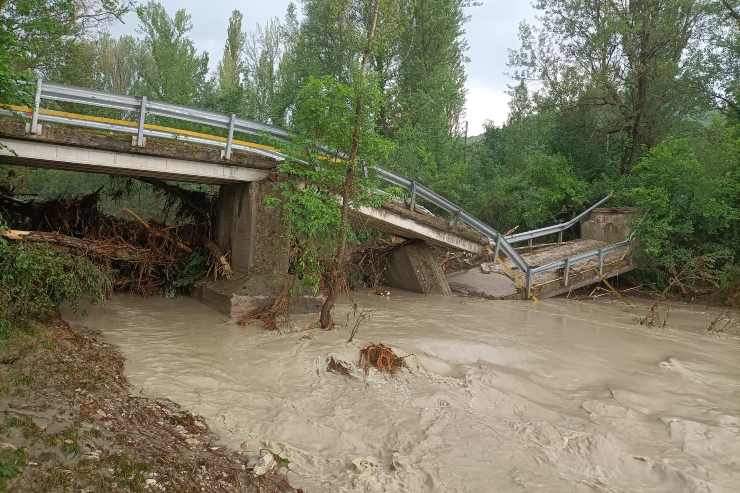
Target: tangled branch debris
145 256
338 366
721 324
354 320
654 318
380 357
269 313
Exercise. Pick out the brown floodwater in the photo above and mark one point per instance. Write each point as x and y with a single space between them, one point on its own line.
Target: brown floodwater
500 396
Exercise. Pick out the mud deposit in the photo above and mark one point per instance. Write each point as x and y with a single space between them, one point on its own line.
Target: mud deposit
500 396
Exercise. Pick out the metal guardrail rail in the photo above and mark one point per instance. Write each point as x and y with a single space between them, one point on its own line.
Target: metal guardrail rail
142 106
555 228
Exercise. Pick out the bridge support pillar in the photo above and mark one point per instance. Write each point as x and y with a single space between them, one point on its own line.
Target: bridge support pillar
253 233
414 267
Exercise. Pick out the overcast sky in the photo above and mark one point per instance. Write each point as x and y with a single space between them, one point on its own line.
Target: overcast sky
491 32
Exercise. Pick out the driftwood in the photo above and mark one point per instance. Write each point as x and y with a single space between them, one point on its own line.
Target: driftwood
381 357
161 233
225 269
268 314
107 249
143 255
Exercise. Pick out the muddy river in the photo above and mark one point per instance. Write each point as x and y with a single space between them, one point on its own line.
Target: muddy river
500 396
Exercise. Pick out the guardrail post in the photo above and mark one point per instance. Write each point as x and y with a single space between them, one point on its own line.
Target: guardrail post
498 247
230 139
529 282
560 237
567 271
140 138
601 262
35 127
531 243
412 202
455 217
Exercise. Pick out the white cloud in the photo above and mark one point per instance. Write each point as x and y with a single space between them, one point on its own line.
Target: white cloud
485 103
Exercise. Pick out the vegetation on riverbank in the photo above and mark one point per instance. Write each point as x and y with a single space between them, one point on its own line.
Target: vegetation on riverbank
36 279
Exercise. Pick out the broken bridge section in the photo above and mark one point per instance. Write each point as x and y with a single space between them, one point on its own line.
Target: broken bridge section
559 266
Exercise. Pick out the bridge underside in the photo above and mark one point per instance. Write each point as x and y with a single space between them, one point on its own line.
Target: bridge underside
395 219
56 156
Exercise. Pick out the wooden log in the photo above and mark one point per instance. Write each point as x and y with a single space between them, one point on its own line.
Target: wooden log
219 254
112 250
157 232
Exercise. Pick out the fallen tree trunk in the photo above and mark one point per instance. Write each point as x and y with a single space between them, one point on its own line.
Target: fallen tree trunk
108 249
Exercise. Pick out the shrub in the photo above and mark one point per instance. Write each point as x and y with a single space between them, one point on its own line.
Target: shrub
689 232
543 191
35 279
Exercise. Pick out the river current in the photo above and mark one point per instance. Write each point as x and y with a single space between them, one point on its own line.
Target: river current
500 396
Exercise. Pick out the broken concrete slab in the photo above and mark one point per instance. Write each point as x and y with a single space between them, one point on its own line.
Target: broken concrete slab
476 282
415 267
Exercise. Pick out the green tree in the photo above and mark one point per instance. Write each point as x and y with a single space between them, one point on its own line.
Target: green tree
265 50
689 191
171 69
36 37
231 67
117 63
628 61
348 187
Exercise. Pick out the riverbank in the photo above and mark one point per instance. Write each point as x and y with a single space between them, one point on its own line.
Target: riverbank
507 396
69 422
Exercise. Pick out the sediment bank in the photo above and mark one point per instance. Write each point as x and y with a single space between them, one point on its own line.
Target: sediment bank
70 422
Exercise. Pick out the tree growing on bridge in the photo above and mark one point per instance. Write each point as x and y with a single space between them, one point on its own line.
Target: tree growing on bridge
336 122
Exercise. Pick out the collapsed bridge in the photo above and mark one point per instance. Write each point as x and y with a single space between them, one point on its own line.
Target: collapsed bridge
245 171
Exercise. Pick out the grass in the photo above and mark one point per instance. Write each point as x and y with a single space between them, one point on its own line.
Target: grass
12 462
129 474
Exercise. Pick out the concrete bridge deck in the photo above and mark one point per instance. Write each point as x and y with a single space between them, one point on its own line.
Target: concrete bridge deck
97 151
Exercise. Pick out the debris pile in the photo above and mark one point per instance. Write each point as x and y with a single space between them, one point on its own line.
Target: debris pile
142 256
381 357
336 365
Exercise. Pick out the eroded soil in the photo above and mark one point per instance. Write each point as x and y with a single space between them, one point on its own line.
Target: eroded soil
68 422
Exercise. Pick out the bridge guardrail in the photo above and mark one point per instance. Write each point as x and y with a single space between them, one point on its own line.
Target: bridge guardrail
143 106
555 228
567 263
